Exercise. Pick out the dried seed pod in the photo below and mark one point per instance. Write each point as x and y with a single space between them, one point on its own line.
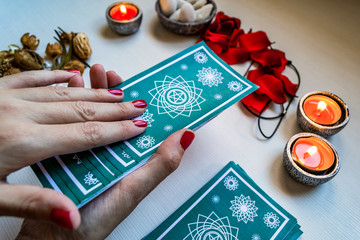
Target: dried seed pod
11 71
81 46
29 41
75 65
53 50
28 59
4 68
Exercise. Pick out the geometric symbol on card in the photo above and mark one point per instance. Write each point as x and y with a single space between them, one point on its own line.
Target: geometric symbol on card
209 76
218 96
145 142
134 94
200 57
271 220
211 227
146 116
255 236
243 209
231 183
168 128
90 180
78 160
176 96
235 86
184 67
215 199
125 155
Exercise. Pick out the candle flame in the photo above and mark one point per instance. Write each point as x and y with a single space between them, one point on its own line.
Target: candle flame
321 106
123 9
311 151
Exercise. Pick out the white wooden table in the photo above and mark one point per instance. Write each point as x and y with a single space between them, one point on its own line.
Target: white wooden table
322 38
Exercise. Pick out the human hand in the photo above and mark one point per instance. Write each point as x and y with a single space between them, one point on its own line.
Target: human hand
38 121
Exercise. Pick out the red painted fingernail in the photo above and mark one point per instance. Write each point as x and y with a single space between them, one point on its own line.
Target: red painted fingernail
187 139
74 71
140 123
140 103
116 91
61 218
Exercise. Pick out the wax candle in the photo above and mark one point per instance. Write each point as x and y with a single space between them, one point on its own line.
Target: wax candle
312 153
322 109
123 12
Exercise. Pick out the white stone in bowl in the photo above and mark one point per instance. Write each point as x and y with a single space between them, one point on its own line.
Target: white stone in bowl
180 3
175 15
191 1
187 13
199 3
203 12
168 6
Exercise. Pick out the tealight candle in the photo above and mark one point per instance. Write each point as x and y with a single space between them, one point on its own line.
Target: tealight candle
310 159
322 113
322 109
124 17
313 154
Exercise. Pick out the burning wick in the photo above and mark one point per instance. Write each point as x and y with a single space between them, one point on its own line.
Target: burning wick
123 9
321 107
311 151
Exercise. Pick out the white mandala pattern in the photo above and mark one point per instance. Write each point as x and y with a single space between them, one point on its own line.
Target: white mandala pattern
145 142
176 96
231 183
168 127
184 67
243 209
271 220
235 86
218 96
90 180
209 76
146 116
134 94
255 236
211 227
215 199
200 57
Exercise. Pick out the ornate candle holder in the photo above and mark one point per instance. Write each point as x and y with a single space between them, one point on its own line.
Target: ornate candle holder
302 174
124 26
324 130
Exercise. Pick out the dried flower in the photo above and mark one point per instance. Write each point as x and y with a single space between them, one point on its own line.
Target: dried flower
81 46
11 71
28 59
75 65
53 50
29 41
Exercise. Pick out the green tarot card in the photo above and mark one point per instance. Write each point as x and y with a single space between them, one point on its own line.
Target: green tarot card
230 206
184 91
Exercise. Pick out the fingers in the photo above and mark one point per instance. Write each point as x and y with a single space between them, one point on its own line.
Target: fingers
113 79
38 203
76 81
35 79
80 111
113 206
57 93
101 79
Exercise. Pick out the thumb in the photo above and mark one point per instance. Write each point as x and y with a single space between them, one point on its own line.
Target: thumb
38 203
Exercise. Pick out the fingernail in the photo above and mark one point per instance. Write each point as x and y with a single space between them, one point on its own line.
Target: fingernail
74 71
187 139
140 103
61 218
140 123
116 91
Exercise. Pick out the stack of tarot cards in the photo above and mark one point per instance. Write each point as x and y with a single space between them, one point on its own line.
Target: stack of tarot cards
229 207
185 91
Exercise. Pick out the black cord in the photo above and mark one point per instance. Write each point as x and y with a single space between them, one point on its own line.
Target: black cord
283 110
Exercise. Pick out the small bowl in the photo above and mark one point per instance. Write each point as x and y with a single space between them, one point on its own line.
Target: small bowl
300 174
308 125
185 28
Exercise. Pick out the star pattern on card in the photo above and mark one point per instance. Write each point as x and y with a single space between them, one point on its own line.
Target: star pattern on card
209 76
243 208
255 236
145 142
231 183
134 94
147 117
89 179
168 127
200 57
235 86
211 227
176 97
271 220
215 199
184 67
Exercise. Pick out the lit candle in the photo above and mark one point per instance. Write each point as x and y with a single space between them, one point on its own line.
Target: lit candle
322 109
123 12
313 154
